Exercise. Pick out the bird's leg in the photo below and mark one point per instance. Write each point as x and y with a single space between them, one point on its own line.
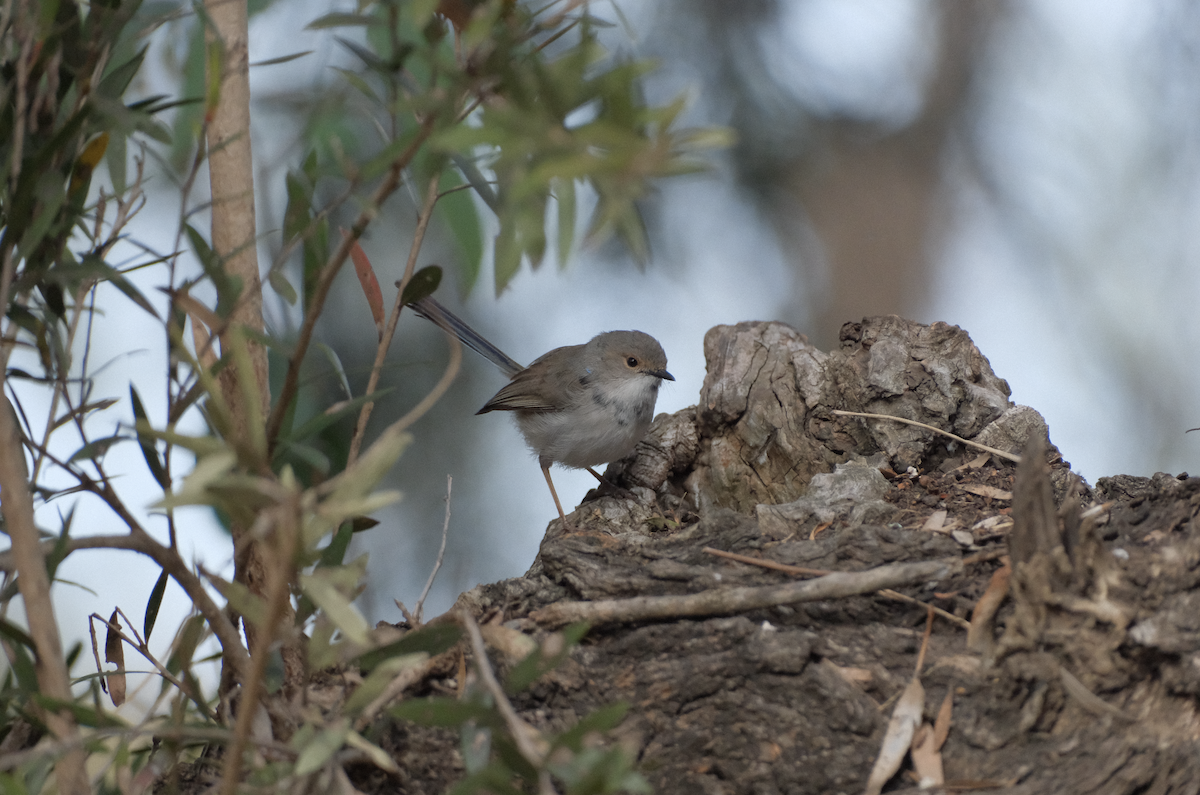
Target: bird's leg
546 471
621 492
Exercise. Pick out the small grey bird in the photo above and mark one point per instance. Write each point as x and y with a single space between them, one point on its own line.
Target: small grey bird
580 405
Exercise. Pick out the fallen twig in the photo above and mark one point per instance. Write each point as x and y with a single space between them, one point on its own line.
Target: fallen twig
728 601
1016 459
784 567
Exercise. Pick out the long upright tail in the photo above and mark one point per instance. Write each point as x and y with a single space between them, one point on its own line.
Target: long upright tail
431 310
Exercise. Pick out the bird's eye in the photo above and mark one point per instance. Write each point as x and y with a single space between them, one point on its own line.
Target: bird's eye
632 361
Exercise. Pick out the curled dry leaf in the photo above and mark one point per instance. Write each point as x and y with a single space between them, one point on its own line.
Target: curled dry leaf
927 758
906 717
979 636
935 522
368 282
114 653
941 728
984 490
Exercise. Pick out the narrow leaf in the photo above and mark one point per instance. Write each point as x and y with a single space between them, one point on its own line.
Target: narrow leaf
146 442
320 588
565 193
338 20
96 449
282 59
430 639
282 286
155 602
15 633
442 711
368 282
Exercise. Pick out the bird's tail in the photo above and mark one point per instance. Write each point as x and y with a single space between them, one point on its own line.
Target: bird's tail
429 308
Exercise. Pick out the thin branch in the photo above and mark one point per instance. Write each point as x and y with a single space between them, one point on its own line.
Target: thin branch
34 582
531 746
885 592
437 564
140 646
170 560
994 451
385 341
729 601
330 270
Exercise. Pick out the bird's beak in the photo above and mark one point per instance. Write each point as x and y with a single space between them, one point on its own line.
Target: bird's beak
663 374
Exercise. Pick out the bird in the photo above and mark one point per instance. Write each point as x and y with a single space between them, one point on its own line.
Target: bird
578 406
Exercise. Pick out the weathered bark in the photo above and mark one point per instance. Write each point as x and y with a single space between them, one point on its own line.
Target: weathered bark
787 699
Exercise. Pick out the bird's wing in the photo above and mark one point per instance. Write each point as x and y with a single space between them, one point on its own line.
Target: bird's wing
545 385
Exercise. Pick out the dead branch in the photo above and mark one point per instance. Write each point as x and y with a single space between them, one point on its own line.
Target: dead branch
728 601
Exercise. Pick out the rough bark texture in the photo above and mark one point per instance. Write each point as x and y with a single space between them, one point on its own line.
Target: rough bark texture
791 699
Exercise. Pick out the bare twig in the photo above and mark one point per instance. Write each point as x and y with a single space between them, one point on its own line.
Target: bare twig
885 592
529 743
728 601
401 682
385 341
994 451
169 559
437 564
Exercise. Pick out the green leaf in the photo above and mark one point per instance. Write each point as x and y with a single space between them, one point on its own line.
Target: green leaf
282 59
153 604
461 216
322 747
335 413
565 194
84 715
116 157
117 80
146 442
476 180
23 668
423 283
378 680
335 552
380 758
336 362
186 640
96 449
229 288
443 711
507 256
195 487
84 410
15 633
432 640
339 20
321 586
280 284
